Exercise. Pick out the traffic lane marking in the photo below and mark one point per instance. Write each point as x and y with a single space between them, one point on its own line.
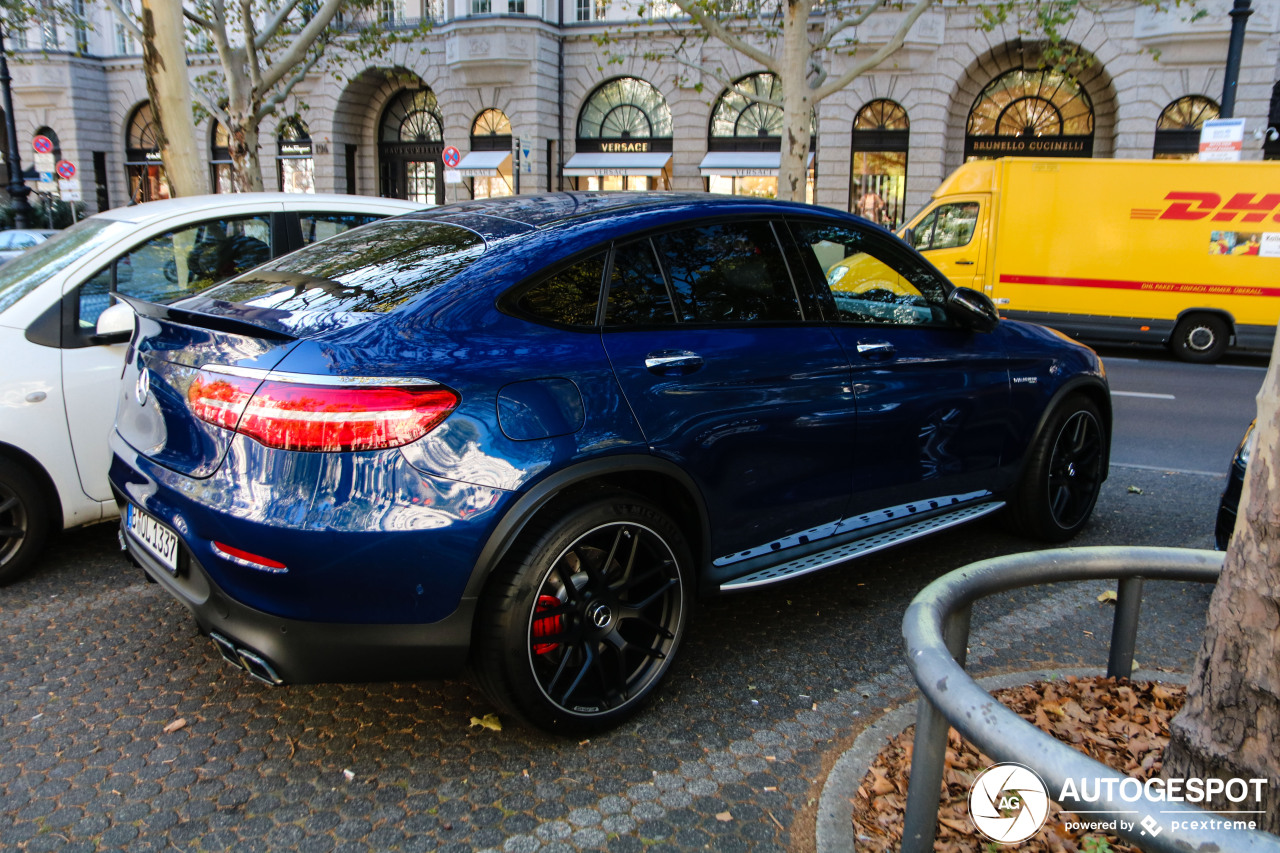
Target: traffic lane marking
1143 394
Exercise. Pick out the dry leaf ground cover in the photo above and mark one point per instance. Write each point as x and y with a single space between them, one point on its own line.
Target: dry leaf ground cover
1122 724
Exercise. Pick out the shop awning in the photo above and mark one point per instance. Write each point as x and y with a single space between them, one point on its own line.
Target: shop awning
647 164
485 164
744 164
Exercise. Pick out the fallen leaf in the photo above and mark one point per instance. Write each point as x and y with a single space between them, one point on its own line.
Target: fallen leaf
724 817
1134 490
488 721
180 723
1108 597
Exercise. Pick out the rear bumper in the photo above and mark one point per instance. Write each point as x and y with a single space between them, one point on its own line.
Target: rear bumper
300 651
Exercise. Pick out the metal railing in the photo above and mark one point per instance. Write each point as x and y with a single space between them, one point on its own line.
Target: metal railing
936 628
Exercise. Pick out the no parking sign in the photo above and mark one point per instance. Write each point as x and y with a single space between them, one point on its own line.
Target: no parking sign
66 170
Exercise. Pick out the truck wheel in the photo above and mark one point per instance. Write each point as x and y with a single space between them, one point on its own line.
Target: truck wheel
24 522
1200 338
1063 474
582 620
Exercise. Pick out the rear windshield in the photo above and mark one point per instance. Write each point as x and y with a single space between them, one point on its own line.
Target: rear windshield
372 269
30 269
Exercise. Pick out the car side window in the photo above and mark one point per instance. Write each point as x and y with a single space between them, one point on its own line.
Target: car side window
638 294
319 226
731 272
179 263
568 297
948 226
867 283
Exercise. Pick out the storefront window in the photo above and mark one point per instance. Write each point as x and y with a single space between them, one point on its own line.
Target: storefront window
744 142
410 145
624 138
1031 113
878 178
1178 128
295 165
143 167
491 132
220 160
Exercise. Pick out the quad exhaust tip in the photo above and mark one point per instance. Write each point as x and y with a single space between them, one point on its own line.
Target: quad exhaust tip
249 661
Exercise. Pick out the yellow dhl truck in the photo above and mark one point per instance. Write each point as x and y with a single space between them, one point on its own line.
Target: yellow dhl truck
1180 253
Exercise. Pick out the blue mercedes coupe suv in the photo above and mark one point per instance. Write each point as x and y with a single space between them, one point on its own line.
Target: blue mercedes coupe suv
525 433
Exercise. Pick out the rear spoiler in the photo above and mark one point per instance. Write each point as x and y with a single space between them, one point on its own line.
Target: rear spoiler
202 320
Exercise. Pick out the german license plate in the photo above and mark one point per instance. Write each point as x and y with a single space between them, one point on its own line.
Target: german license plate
154 536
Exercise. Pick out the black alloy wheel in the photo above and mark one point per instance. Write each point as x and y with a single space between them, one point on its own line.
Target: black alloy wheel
584 627
1063 473
605 619
1075 470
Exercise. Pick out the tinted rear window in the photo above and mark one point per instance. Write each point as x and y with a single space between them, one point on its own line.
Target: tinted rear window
370 270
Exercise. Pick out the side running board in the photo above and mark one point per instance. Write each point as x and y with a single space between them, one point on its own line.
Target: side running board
860 547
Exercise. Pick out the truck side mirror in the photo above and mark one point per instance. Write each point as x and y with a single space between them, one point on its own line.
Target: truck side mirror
909 236
973 309
115 325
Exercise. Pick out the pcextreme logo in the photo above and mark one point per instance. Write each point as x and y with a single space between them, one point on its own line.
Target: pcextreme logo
1192 207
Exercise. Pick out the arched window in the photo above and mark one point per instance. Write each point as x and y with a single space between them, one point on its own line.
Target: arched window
143 167
744 139
1031 113
1178 128
624 138
488 166
220 158
878 178
410 143
295 162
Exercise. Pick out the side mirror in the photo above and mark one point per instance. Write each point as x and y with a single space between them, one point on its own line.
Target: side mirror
973 309
115 325
909 237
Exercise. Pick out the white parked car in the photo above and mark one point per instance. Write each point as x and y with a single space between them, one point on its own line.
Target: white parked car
58 369
15 241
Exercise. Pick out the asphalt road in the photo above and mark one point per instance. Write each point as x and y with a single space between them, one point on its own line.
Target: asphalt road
1172 416
771 686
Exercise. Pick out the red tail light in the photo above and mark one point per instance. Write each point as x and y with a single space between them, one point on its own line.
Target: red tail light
303 416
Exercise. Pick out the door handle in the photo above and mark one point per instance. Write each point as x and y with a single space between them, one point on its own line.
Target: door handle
672 362
964 263
876 350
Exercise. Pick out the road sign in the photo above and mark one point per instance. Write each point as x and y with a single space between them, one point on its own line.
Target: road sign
66 169
452 176
42 145
451 156
70 185
44 162
1221 139
46 177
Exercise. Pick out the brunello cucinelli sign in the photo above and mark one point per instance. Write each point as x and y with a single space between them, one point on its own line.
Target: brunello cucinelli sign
1028 146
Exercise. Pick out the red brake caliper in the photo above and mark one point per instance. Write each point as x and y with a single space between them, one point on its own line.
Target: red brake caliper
546 625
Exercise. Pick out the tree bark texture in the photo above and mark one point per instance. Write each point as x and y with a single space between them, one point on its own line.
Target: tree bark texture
164 61
1230 725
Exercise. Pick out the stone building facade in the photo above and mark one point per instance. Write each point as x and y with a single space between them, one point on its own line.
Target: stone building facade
524 91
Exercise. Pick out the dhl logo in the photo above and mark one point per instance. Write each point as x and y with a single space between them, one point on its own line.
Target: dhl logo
1189 207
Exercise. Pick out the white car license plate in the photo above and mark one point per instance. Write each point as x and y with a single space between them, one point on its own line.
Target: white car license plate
154 536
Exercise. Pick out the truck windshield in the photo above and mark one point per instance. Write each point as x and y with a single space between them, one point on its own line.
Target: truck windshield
31 269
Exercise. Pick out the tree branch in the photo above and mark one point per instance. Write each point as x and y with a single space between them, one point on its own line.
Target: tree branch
297 51
269 106
202 23
848 23
251 46
899 38
271 27
718 30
